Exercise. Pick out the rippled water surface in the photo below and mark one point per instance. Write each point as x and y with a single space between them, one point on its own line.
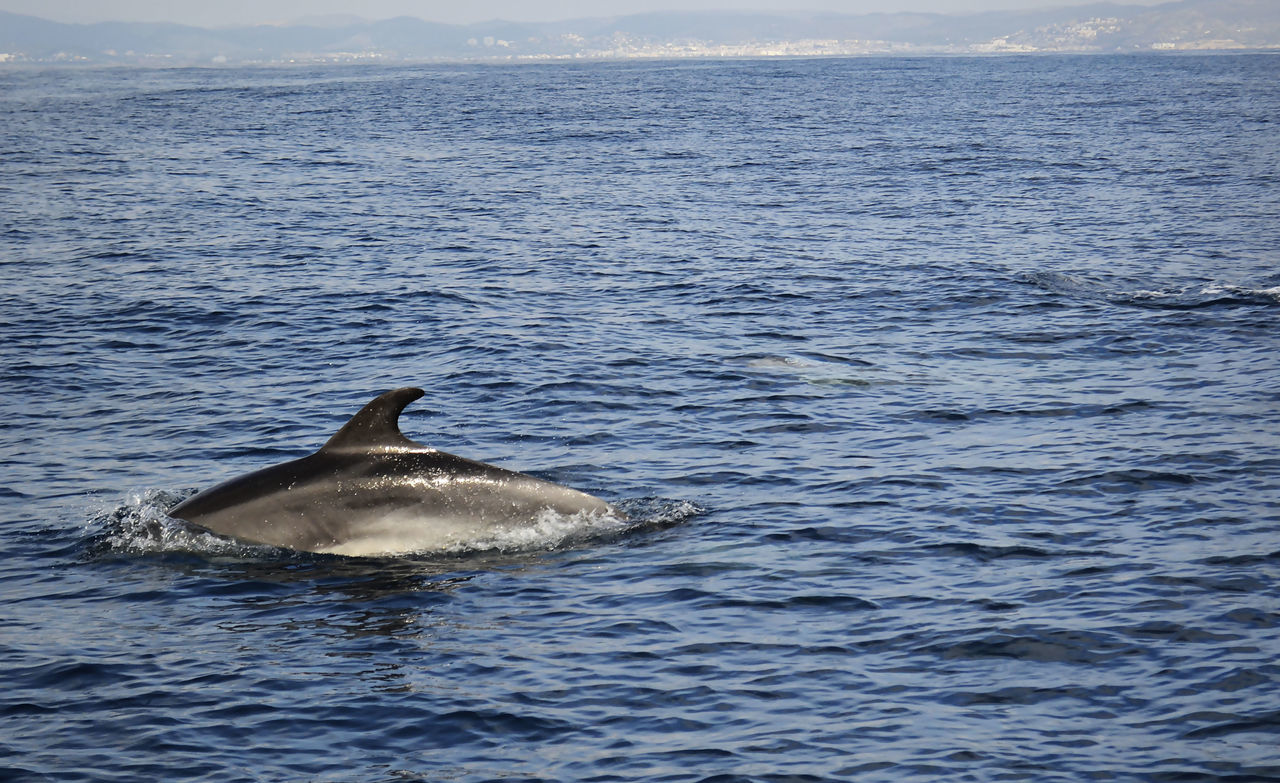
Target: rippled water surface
943 394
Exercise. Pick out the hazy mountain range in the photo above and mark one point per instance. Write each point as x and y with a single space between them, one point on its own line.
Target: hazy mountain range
1103 27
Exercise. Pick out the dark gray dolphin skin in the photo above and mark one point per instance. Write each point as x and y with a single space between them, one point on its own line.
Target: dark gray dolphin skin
370 490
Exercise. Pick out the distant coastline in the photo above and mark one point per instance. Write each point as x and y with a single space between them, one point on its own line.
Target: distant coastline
1187 25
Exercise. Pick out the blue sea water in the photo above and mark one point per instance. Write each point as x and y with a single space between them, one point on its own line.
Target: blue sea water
944 396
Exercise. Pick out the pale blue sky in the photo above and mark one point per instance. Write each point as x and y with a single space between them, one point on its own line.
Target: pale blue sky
213 13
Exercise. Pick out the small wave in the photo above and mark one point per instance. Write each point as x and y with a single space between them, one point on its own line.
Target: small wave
1243 561
1129 480
1265 723
988 552
1201 296
809 603
1063 283
656 513
1035 644
1016 695
1187 297
817 369
1047 411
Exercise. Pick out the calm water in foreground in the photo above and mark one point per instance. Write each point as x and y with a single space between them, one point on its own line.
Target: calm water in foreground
944 395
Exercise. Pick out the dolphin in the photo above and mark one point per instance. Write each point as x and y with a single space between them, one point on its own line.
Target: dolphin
370 490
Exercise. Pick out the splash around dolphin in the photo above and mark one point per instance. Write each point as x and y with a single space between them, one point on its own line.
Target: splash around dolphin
371 491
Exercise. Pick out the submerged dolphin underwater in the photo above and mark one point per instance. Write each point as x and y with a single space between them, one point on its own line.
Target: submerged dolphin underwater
370 490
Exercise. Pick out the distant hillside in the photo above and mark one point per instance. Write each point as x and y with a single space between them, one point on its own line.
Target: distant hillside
1103 27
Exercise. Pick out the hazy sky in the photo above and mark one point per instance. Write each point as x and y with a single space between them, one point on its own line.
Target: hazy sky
214 13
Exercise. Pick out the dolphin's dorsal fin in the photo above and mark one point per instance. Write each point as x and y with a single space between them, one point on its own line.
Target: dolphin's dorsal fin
375 427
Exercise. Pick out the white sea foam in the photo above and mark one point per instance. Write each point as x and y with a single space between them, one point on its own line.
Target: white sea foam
140 525
1204 294
1242 291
